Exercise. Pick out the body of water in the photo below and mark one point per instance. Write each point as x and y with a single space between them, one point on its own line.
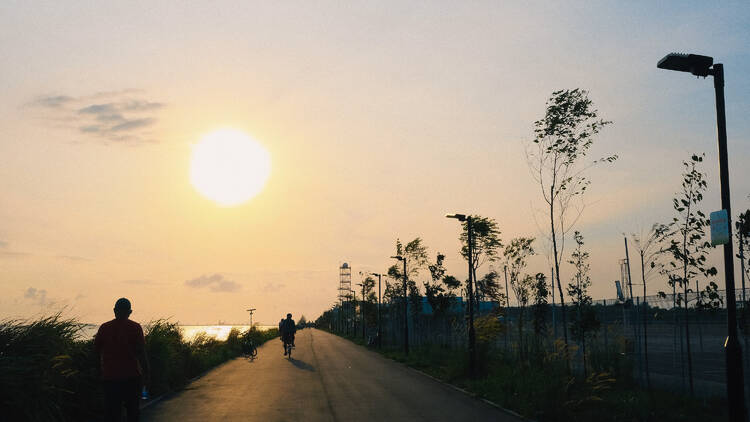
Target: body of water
189 332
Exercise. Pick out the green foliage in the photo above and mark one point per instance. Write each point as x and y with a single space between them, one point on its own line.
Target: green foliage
46 373
488 287
486 242
415 253
742 227
540 294
302 323
688 245
440 292
568 128
562 140
516 255
583 317
547 394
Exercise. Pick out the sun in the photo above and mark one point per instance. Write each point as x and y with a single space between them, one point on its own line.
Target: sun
229 167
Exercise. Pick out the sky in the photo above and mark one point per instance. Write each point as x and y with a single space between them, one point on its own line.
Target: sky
379 118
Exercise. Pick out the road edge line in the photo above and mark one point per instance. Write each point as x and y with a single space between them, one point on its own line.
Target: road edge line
468 393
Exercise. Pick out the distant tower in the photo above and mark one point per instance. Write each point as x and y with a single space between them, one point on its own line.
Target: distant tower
345 282
345 289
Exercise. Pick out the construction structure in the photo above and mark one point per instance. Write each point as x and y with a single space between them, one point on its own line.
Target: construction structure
627 286
345 295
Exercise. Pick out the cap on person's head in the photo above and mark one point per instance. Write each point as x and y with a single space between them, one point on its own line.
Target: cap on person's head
122 304
288 315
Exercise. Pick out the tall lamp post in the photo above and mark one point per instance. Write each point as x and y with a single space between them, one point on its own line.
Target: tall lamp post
704 66
362 308
470 289
379 332
251 311
406 307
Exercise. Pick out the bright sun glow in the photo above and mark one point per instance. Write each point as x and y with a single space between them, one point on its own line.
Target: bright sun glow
229 167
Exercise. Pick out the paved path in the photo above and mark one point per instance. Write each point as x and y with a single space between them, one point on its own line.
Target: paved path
328 379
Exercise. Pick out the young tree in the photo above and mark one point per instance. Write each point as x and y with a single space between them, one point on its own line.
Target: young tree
367 303
415 254
557 160
488 287
441 291
649 249
486 245
742 227
688 246
516 255
584 318
540 294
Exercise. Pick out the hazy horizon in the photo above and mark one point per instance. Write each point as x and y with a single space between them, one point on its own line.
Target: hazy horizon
379 118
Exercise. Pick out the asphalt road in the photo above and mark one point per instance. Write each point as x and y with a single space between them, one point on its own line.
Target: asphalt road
328 379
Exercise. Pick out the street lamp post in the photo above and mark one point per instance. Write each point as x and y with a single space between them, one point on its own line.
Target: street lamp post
470 291
362 309
704 66
406 307
379 332
251 311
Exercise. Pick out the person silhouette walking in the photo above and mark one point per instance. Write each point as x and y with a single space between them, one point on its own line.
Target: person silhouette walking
121 347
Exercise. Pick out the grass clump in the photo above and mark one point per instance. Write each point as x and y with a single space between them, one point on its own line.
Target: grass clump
49 373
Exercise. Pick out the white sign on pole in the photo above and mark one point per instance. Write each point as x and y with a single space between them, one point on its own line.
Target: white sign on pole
719 228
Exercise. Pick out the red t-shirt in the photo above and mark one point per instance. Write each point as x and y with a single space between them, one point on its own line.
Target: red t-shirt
117 343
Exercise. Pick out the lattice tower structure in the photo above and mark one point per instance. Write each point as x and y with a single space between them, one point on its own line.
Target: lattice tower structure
345 283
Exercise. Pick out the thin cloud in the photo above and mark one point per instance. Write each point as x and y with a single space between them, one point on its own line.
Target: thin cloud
73 258
13 254
132 124
144 282
38 296
112 117
272 287
215 283
52 101
99 109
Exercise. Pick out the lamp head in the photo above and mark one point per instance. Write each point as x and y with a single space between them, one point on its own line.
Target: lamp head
399 257
694 63
459 217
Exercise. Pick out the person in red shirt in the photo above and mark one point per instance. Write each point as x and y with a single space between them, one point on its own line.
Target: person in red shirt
121 348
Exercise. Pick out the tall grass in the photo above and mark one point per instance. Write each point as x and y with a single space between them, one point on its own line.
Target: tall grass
48 373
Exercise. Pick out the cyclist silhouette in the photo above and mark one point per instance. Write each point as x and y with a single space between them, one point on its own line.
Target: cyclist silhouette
287 328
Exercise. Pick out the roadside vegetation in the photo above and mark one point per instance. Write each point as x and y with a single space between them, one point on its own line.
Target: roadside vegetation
540 389
49 373
566 361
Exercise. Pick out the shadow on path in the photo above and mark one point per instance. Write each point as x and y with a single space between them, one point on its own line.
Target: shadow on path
300 364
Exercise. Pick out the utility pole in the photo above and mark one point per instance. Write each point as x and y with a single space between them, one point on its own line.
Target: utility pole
636 338
472 336
704 66
470 290
251 311
406 306
379 330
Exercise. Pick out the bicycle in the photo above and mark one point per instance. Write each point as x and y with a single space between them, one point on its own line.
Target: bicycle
288 349
249 351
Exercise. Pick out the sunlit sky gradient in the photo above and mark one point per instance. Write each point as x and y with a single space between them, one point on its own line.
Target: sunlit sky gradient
379 117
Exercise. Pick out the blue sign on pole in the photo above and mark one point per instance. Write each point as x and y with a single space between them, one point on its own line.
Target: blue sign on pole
719 228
